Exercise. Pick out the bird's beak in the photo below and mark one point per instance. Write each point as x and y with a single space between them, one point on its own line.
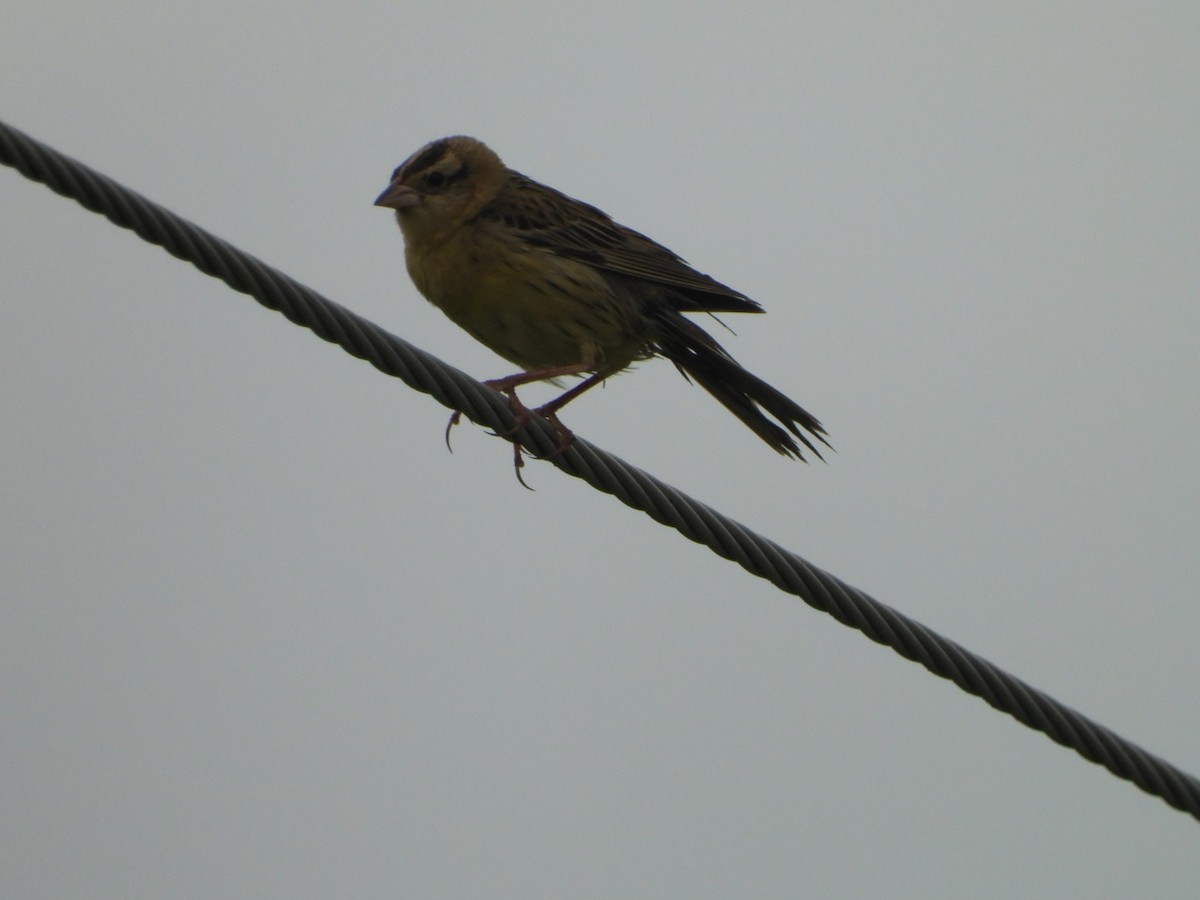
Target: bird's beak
398 196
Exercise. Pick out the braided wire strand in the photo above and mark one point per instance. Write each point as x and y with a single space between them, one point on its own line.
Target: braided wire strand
668 506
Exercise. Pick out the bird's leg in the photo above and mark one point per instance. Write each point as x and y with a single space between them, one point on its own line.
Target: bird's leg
566 437
509 383
508 386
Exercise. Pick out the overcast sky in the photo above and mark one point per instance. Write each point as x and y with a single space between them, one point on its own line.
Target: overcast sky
263 636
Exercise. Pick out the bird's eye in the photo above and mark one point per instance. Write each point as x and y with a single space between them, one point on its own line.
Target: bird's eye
435 180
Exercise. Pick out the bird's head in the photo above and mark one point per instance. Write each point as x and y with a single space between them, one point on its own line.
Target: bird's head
442 185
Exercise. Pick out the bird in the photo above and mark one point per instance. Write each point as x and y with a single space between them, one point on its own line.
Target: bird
557 288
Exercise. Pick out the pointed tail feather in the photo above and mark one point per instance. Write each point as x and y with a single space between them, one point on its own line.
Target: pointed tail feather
702 360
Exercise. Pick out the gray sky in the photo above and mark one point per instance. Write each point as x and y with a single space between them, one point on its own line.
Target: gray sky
262 636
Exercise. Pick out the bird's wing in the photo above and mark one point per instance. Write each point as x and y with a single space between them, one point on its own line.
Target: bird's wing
549 219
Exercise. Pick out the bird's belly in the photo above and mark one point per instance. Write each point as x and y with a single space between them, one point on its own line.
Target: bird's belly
542 313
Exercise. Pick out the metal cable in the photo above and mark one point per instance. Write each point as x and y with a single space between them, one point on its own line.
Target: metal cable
635 488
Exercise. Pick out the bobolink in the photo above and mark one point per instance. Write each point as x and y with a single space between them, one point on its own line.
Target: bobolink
558 288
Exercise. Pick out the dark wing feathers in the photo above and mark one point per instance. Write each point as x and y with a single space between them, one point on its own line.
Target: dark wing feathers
551 220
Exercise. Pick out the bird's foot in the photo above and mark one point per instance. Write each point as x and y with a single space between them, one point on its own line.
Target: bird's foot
521 415
566 437
519 410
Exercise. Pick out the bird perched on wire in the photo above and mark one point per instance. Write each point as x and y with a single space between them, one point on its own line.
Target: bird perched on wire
558 288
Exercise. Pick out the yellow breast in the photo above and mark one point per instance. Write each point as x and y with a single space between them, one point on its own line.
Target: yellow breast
535 309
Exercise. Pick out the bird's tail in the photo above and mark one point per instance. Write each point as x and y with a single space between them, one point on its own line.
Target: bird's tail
702 360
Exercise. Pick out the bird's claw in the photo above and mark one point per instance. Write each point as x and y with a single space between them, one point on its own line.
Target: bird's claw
455 418
522 416
519 464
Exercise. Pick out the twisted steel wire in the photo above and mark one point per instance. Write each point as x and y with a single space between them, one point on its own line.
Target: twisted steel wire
663 503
